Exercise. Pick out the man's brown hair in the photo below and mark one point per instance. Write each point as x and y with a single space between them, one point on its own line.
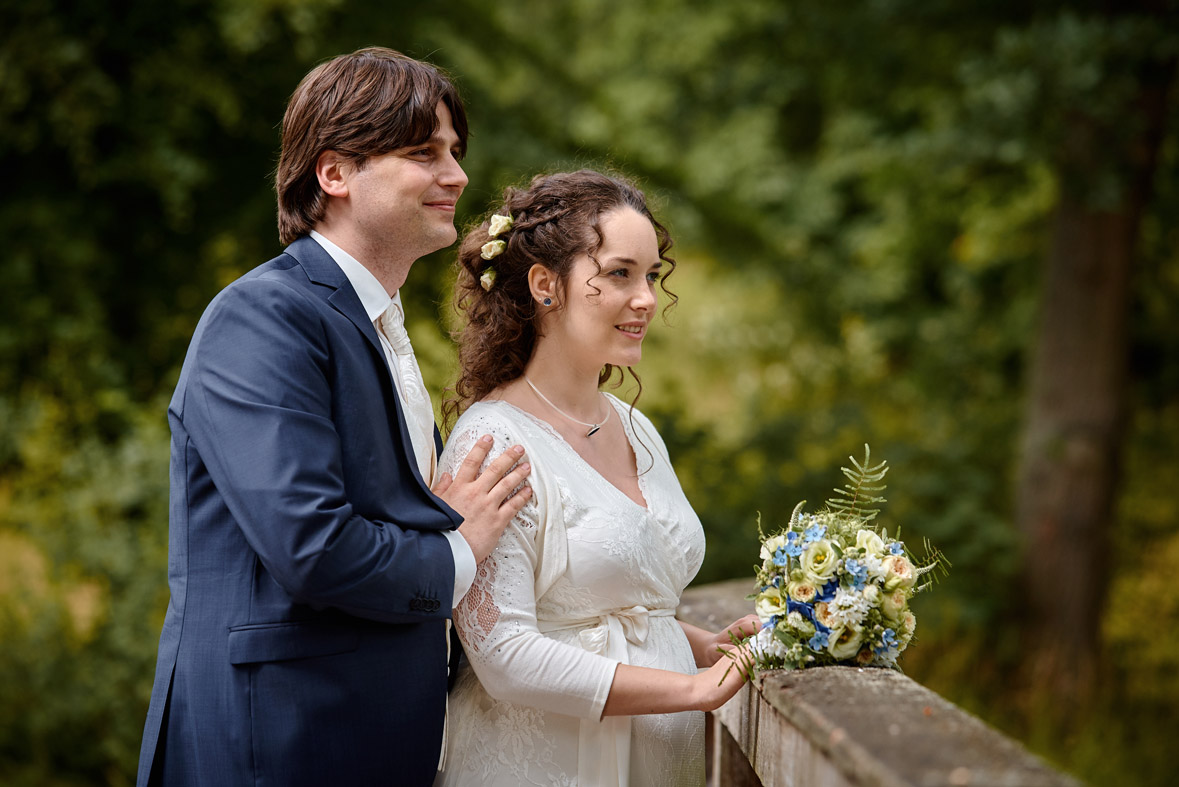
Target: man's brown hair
365 104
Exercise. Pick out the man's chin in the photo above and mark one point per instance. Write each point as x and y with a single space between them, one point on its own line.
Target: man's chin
443 238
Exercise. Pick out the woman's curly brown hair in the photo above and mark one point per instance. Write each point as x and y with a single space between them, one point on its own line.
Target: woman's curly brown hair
554 221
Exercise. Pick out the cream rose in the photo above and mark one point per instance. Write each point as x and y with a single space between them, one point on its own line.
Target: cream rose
893 604
803 592
908 627
824 614
499 224
844 642
487 280
870 542
898 573
492 249
769 603
819 561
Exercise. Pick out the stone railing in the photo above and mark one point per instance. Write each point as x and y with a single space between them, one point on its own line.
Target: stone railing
842 726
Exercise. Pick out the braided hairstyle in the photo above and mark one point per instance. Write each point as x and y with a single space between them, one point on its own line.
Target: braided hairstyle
555 220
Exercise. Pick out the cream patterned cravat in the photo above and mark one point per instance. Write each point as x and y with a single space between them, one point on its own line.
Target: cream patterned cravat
419 415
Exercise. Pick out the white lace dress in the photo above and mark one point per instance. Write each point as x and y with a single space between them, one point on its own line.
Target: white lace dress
583 579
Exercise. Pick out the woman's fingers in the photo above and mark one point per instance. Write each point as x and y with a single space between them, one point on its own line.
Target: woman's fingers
745 627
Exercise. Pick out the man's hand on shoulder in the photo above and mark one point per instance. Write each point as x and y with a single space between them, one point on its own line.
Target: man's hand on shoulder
487 500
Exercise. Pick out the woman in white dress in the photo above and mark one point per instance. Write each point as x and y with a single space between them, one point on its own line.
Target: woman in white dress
576 672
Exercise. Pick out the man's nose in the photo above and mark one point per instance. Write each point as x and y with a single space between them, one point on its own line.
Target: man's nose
453 175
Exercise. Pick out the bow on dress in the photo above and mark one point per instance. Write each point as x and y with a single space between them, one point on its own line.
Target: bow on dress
603 756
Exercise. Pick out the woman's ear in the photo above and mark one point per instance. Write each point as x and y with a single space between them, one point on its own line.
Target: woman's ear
542 283
332 173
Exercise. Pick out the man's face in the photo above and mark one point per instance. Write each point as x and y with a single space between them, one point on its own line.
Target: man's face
405 199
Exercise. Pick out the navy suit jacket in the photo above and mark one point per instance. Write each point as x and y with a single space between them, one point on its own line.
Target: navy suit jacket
304 639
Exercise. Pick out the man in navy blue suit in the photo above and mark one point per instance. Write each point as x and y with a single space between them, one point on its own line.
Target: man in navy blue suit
313 558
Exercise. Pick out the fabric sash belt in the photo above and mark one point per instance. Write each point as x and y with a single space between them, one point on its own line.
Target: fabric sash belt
603 756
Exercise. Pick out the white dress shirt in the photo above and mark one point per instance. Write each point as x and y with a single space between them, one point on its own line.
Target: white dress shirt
375 301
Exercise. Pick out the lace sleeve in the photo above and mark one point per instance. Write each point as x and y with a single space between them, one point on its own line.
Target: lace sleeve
496 620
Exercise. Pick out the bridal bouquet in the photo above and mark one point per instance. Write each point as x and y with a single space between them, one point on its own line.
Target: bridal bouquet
834 587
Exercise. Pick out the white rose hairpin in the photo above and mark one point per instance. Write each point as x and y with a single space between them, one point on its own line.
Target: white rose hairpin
487 280
493 248
499 225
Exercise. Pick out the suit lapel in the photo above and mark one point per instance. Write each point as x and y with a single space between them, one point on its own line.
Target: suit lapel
323 270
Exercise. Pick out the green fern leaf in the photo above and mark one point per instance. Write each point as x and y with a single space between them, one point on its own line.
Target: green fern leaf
860 493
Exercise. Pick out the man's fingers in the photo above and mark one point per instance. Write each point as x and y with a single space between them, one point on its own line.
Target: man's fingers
517 501
469 469
500 466
505 485
442 484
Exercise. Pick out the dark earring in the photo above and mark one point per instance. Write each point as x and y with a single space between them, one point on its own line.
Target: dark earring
548 301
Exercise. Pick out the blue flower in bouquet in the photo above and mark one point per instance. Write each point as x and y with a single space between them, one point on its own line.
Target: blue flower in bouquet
827 592
793 548
857 571
814 533
806 610
888 641
834 589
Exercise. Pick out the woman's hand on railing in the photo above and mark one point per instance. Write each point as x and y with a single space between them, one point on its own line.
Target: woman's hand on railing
706 645
639 690
717 684
735 632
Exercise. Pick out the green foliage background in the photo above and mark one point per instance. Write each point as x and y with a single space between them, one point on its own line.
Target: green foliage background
860 194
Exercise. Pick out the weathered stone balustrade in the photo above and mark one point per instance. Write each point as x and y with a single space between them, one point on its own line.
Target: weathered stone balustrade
843 726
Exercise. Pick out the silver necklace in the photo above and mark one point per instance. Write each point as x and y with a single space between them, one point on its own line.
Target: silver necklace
592 427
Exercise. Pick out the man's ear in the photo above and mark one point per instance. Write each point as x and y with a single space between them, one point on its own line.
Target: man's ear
332 171
542 283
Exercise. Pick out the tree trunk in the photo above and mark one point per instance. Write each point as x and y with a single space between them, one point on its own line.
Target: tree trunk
1077 406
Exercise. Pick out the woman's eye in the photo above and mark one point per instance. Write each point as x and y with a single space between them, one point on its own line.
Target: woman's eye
654 276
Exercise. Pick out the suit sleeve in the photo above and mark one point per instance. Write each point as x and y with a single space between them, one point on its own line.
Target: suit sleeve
258 408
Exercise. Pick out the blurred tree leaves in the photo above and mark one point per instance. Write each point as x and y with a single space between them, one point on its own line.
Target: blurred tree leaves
860 194
81 601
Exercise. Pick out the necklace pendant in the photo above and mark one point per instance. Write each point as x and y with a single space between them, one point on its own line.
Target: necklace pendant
593 427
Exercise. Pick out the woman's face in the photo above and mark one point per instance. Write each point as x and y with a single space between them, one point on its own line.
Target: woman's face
606 312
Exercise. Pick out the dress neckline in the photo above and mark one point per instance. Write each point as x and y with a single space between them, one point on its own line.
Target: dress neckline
556 436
